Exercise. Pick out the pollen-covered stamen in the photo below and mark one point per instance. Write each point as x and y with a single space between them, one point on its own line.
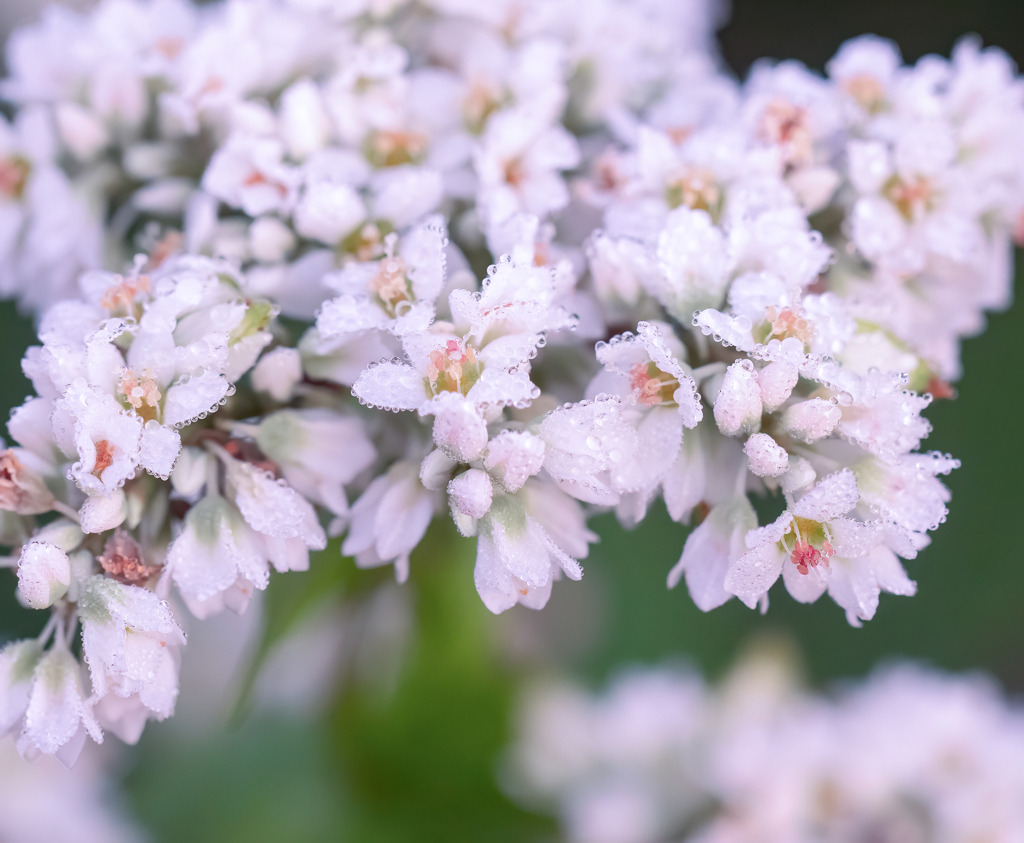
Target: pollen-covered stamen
787 323
14 172
392 147
453 368
912 197
651 386
391 286
696 188
120 298
812 544
141 393
786 124
104 457
867 90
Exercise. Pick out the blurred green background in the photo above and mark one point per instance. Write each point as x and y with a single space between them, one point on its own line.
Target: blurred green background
412 754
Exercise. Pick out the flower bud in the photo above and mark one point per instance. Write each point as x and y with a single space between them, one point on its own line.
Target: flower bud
738 404
765 457
100 514
44 574
777 381
277 373
471 493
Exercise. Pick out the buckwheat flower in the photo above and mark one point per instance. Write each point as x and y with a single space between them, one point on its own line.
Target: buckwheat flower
18 660
711 550
906 490
213 561
865 69
395 293
517 559
249 173
519 162
811 544
58 715
22 489
129 638
284 520
503 325
694 262
586 445
317 450
390 518
329 211
44 574
645 371
278 372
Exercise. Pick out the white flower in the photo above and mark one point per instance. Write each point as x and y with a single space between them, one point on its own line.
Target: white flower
710 551
396 292
58 716
389 519
249 173
318 450
129 638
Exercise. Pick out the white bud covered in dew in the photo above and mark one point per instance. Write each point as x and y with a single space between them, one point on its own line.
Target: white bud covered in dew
471 493
270 240
278 372
777 380
190 472
738 405
100 513
44 574
765 457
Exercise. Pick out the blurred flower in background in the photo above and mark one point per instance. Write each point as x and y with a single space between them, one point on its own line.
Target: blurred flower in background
907 755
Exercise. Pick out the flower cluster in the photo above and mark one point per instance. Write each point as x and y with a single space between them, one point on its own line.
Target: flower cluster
908 754
258 225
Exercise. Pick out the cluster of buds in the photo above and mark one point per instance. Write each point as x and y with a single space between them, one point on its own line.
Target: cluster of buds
263 223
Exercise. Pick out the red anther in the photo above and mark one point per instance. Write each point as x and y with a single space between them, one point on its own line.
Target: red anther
805 557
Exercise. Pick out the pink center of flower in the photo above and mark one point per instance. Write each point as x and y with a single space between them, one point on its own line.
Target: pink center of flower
696 188
13 176
650 385
812 546
390 284
392 147
120 298
104 457
607 172
258 179
912 197
786 124
452 368
141 393
867 90
786 323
